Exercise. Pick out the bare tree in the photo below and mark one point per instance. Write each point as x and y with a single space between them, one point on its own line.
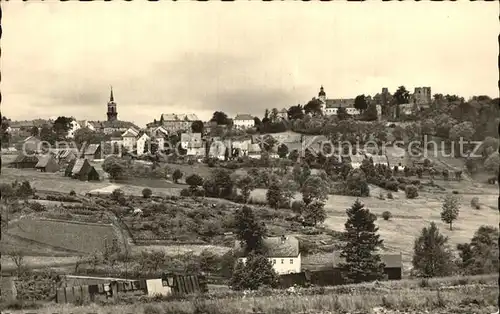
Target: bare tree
17 257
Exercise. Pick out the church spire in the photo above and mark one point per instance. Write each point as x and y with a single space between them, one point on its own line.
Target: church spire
111 98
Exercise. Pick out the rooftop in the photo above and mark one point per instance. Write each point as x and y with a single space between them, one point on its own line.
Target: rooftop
243 117
276 247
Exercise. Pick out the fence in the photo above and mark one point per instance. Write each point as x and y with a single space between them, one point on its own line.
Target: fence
85 289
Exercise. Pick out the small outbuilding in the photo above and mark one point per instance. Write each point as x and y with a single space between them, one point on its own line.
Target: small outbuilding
93 152
23 161
82 170
47 163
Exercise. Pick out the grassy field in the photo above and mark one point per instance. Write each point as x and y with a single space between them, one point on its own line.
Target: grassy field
83 238
411 215
443 295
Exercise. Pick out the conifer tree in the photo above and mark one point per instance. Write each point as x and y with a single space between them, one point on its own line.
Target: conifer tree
362 262
431 256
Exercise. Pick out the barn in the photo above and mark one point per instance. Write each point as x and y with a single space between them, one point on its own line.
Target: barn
47 163
93 152
82 170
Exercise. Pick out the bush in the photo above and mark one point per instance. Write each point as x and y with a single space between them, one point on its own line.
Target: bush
37 207
186 192
381 196
72 193
455 192
411 191
386 215
146 193
474 203
391 185
297 206
389 195
194 180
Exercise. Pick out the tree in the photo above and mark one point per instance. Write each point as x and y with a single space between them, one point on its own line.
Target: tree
313 107
34 131
401 96
282 151
464 130
17 257
197 126
5 135
115 167
386 215
194 180
47 134
300 174
246 184
431 256
219 184
314 213
480 256
492 163
362 241
61 127
295 112
398 133
274 195
249 230
342 114
274 115
450 210
87 136
146 193
314 189
411 191
357 184
220 117
294 155
360 103
177 175
256 272
371 113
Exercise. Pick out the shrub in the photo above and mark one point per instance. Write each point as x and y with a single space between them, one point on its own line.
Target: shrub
297 206
455 192
381 196
391 185
146 193
194 180
386 215
177 175
389 195
411 191
37 207
186 192
474 203
72 193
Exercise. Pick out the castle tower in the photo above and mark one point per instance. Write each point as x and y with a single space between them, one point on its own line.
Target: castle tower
112 113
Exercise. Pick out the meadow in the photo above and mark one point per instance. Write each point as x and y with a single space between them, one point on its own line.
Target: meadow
478 294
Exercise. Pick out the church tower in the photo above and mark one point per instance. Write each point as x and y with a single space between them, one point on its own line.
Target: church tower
322 94
112 113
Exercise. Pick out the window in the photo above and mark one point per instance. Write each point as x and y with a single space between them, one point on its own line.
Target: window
291 261
282 261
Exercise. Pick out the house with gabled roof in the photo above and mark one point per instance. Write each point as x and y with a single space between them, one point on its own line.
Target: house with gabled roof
31 144
142 144
82 170
243 121
129 139
283 252
93 152
47 163
24 160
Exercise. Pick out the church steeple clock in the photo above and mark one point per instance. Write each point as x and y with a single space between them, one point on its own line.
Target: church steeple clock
112 113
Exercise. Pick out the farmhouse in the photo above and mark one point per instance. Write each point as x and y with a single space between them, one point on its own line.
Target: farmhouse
192 143
141 144
283 252
93 152
24 161
81 169
129 139
254 151
47 163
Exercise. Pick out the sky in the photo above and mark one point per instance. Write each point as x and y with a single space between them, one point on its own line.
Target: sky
60 59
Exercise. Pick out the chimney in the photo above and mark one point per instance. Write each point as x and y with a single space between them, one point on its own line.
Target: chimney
283 239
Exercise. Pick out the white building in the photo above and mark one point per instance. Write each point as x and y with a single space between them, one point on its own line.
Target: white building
129 139
283 252
86 124
141 144
73 127
330 107
160 135
243 121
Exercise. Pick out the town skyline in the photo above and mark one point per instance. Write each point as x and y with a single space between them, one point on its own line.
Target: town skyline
227 67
